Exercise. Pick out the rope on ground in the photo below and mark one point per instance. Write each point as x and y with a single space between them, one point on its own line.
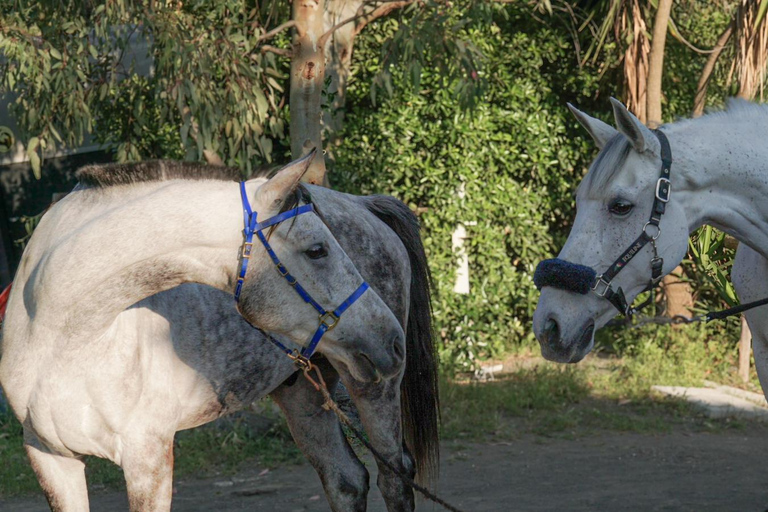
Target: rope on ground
331 405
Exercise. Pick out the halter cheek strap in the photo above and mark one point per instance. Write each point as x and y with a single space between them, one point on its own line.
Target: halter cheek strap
328 319
572 277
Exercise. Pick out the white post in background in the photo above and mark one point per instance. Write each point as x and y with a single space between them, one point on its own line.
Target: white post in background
457 242
745 350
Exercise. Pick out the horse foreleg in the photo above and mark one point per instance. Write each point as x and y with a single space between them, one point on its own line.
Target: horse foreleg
379 408
62 478
147 463
318 434
750 279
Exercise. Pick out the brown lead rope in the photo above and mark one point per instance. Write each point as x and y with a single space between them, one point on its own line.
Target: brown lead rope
331 405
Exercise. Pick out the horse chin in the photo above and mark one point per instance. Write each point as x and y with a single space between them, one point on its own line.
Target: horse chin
363 370
574 351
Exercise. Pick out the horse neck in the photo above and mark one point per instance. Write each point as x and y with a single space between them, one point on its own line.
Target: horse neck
106 249
720 173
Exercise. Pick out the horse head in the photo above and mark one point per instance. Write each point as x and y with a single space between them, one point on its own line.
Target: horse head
626 234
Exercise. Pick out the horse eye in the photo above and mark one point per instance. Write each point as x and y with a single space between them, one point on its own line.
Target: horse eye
620 207
316 252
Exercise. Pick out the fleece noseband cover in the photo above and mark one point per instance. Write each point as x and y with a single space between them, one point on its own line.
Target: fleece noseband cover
564 275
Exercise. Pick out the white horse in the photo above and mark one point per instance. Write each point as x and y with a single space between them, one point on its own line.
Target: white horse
89 368
718 176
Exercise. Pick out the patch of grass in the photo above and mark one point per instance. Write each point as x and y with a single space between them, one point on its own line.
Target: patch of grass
200 452
209 450
472 409
603 392
16 476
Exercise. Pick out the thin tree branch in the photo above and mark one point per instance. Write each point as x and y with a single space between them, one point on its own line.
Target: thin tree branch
272 33
273 49
382 10
701 89
679 36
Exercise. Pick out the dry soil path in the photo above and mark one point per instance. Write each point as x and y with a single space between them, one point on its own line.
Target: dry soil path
726 471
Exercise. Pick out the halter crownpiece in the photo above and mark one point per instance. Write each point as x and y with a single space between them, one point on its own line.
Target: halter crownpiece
581 279
328 319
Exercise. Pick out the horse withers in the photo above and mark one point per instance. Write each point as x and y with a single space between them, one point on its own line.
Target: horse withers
98 359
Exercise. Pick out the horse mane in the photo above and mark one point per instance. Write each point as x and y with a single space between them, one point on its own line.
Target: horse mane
419 398
109 175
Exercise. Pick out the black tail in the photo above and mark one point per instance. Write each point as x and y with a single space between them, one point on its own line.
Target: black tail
419 399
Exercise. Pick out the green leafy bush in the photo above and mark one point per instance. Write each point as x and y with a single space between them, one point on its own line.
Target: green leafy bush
516 156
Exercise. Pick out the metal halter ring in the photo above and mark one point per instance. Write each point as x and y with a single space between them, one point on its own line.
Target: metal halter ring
301 361
658 230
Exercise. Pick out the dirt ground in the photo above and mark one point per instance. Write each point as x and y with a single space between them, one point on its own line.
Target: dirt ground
677 471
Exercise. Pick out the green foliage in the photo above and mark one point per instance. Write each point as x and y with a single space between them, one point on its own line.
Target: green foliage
422 37
75 66
711 264
131 122
82 68
515 157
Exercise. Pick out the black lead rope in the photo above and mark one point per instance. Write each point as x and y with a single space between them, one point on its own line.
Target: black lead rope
725 313
680 319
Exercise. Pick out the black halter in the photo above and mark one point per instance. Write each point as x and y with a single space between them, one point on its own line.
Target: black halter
552 272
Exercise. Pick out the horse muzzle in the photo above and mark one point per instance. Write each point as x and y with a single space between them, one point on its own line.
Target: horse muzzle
559 343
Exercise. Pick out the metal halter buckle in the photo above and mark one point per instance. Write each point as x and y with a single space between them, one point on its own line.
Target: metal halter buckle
281 269
606 286
326 316
664 199
246 249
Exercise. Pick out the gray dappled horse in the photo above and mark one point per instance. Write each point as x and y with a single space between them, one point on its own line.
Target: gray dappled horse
107 352
644 193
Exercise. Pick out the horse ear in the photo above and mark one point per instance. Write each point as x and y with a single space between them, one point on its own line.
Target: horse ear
601 133
272 193
641 138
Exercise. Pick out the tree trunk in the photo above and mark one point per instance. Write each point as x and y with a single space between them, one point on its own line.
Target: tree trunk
676 291
656 63
701 89
307 77
339 57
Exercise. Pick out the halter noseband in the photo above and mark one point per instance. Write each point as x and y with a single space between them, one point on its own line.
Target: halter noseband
328 319
582 279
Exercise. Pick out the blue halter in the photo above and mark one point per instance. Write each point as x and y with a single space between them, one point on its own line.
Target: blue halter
328 319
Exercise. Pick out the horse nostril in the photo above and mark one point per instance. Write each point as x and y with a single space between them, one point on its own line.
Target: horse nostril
551 332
